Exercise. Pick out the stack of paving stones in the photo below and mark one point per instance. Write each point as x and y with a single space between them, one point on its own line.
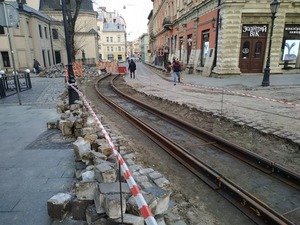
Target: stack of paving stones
100 191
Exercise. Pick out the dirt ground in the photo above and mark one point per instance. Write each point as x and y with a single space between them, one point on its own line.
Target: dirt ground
190 201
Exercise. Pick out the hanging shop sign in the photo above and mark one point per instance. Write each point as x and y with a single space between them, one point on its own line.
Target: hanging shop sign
254 30
291 48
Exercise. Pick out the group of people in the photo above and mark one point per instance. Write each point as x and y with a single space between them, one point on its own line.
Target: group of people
175 66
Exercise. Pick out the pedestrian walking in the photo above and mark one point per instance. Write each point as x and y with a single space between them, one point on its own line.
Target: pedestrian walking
176 67
36 66
132 68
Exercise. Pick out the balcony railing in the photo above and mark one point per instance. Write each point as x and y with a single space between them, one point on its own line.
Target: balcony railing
167 23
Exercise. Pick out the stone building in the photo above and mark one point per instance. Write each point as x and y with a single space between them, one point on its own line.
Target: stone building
40 35
112 33
225 37
144 47
30 39
86 36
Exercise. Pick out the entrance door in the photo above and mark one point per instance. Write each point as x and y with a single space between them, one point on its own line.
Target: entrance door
252 55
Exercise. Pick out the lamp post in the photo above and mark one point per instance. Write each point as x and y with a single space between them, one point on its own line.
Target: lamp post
73 95
266 79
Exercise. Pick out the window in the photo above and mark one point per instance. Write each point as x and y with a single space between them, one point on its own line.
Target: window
44 58
5 59
107 39
46 35
57 57
108 49
245 51
205 46
112 49
2 30
119 48
55 33
111 39
258 48
40 30
119 39
49 59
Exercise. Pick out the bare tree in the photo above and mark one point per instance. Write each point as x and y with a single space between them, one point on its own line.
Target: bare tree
71 18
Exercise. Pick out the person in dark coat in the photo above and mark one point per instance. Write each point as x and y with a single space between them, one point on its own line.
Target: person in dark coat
36 66
132 68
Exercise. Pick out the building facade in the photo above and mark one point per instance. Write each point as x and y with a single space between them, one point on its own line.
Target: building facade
86 36
224 37
144 47
40 35
30 39
112 33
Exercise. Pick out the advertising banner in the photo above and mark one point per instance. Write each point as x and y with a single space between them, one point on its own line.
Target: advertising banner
291 49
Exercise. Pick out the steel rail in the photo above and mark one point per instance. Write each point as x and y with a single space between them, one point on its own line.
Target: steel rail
266 165
250 205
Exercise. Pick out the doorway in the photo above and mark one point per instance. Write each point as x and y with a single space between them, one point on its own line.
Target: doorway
252 54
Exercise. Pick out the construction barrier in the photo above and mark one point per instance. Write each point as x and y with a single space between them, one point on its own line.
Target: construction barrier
143 207
122 69
110 67
242 94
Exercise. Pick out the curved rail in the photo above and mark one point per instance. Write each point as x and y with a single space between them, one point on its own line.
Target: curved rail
251 206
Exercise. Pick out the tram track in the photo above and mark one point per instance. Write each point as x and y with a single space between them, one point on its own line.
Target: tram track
185 145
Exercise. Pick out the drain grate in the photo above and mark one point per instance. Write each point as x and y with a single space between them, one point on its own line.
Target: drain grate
51 139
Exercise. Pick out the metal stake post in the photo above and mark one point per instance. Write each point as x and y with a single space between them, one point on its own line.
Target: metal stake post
12 57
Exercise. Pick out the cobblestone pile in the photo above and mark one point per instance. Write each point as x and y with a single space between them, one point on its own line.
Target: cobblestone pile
96 197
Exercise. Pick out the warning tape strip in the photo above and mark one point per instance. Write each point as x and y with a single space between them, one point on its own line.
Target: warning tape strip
243 94
143 207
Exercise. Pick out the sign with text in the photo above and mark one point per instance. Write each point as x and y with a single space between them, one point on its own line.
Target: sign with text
254 30
9 16
292 29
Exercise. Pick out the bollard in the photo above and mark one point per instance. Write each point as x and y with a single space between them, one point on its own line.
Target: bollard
2 84
27 78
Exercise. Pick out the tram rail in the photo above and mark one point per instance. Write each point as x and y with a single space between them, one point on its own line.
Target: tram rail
256 209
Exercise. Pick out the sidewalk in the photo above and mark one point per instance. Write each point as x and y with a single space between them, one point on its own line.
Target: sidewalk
239 81
35 163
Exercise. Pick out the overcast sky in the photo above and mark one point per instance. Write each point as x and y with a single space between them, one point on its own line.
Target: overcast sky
135 13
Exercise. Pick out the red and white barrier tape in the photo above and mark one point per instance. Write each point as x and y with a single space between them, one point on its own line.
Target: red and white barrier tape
242 94
143 207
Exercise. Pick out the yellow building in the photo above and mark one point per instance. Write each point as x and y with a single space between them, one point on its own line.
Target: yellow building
40 35
112 35
30 39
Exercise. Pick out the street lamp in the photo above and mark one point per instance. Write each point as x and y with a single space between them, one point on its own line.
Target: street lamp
266 79
73 95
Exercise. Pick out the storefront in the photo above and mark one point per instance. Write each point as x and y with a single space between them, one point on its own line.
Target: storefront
253 46
290 47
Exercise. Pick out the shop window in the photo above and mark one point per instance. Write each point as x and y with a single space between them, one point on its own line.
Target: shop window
257 51
246 50
205 46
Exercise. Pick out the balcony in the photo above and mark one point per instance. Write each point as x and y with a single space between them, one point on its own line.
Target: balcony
167 23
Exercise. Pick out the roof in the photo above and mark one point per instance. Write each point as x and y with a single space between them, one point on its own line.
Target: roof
113 27
46 5
30 10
